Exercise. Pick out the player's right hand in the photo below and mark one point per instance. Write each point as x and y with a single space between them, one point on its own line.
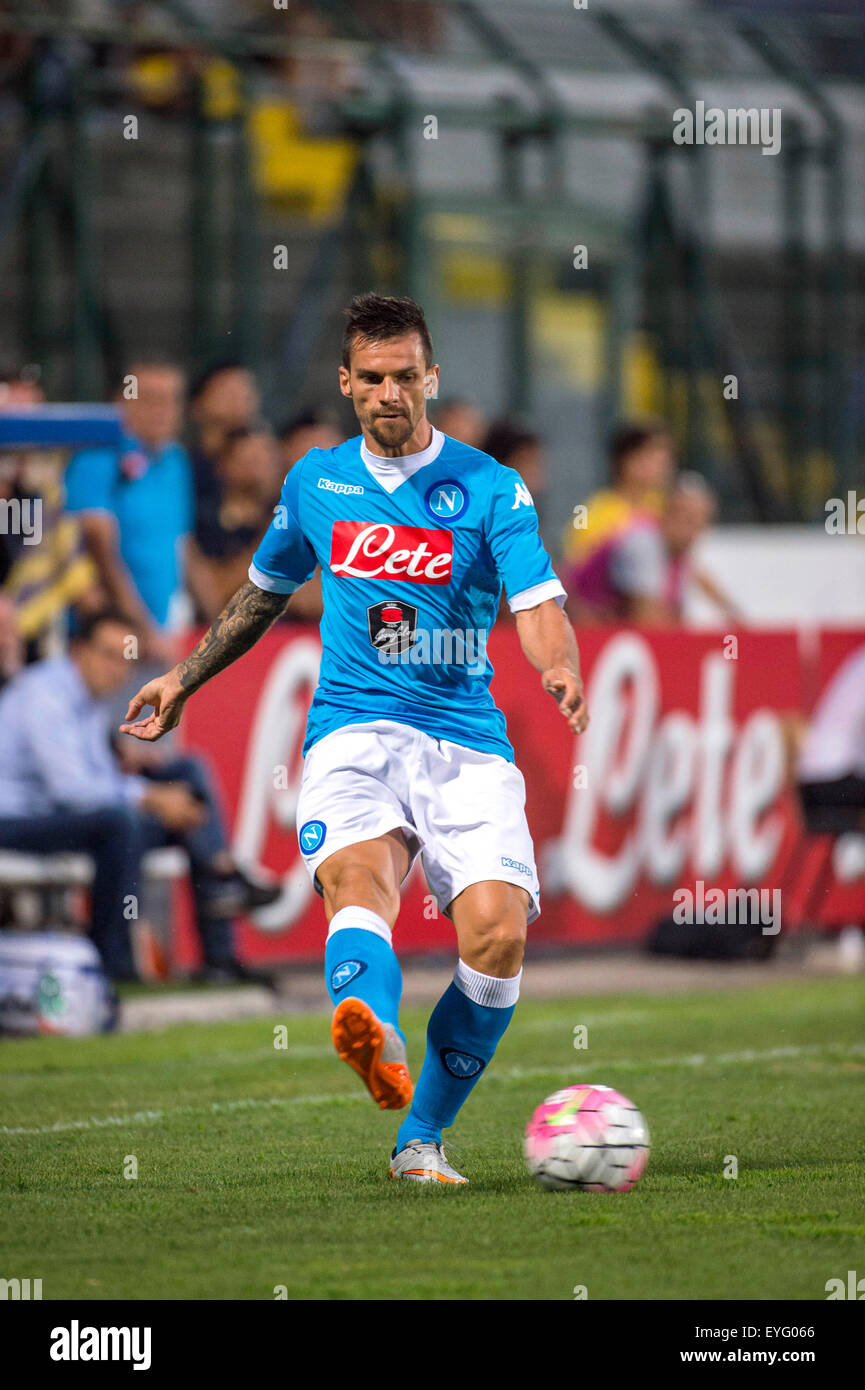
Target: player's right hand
566 687
167 697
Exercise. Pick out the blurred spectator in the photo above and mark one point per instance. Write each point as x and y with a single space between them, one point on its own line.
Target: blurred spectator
136 503
640 573
225 397
62 788
642 463
230 524
413 21
515 446
21 387
315 74
312 429
46 570
520 448
222 398
461 419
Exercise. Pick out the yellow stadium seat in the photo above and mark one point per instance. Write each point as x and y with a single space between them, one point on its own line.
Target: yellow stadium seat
290 166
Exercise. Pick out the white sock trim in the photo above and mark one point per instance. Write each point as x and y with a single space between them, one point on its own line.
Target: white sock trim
487 990
361 918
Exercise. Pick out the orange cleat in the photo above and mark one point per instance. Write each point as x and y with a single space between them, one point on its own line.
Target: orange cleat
376 1052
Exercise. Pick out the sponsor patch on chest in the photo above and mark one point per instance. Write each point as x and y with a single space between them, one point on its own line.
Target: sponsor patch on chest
377 550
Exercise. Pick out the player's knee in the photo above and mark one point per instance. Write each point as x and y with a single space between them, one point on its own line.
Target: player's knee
503 935
495 938
360 885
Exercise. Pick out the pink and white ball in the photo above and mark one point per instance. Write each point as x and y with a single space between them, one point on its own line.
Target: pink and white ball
588 1137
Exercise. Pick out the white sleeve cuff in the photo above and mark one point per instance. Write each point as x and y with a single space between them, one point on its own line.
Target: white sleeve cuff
538 593
270 583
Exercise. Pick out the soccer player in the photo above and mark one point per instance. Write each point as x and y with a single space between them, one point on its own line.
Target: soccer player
405 752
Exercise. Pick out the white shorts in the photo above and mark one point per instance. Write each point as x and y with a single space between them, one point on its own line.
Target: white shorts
461 810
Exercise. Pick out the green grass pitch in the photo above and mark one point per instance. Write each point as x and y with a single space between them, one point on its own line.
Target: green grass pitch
261 1167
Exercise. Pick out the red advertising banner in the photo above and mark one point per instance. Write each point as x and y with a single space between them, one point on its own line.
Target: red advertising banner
681 782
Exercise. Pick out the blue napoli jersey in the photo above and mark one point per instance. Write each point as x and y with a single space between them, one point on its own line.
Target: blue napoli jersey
413 553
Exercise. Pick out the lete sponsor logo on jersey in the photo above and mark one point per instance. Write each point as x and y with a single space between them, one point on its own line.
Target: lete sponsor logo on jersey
375 549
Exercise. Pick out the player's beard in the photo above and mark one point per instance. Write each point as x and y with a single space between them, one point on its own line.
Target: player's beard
395 432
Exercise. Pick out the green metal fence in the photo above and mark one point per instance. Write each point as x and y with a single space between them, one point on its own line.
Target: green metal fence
658 283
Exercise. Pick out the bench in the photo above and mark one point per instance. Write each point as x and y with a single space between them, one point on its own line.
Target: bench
36 887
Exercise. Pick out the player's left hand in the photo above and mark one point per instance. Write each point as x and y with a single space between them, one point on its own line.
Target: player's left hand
567 689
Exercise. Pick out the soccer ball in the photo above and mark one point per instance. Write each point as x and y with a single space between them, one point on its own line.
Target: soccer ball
588 1137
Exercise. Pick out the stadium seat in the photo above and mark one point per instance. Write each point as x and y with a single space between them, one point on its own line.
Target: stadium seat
313 172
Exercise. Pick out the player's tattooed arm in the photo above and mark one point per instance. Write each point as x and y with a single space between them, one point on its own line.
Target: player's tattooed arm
244 619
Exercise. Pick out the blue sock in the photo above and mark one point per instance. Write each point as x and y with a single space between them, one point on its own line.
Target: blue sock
462 1036
359 963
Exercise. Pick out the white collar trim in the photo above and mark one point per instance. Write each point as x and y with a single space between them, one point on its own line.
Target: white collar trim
391 472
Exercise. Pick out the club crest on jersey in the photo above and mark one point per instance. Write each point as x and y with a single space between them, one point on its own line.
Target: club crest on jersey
392 626
311 836
463 1065
377 550
345 972
446 501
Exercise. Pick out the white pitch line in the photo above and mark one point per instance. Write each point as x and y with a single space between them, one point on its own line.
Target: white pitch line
697 1059
149 1117
623 1018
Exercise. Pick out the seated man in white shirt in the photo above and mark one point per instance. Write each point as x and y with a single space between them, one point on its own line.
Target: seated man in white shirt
62 788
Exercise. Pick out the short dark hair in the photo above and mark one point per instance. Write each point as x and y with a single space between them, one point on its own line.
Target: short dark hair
87 624
201 382
253 429
375 318
504 437
627 438
306 420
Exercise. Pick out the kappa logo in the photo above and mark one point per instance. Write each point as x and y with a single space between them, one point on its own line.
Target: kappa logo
462 1065
311 836
344 489
345 972
522 497
446 501
515 864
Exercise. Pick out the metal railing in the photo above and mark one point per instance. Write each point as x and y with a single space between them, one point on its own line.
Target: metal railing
668 253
